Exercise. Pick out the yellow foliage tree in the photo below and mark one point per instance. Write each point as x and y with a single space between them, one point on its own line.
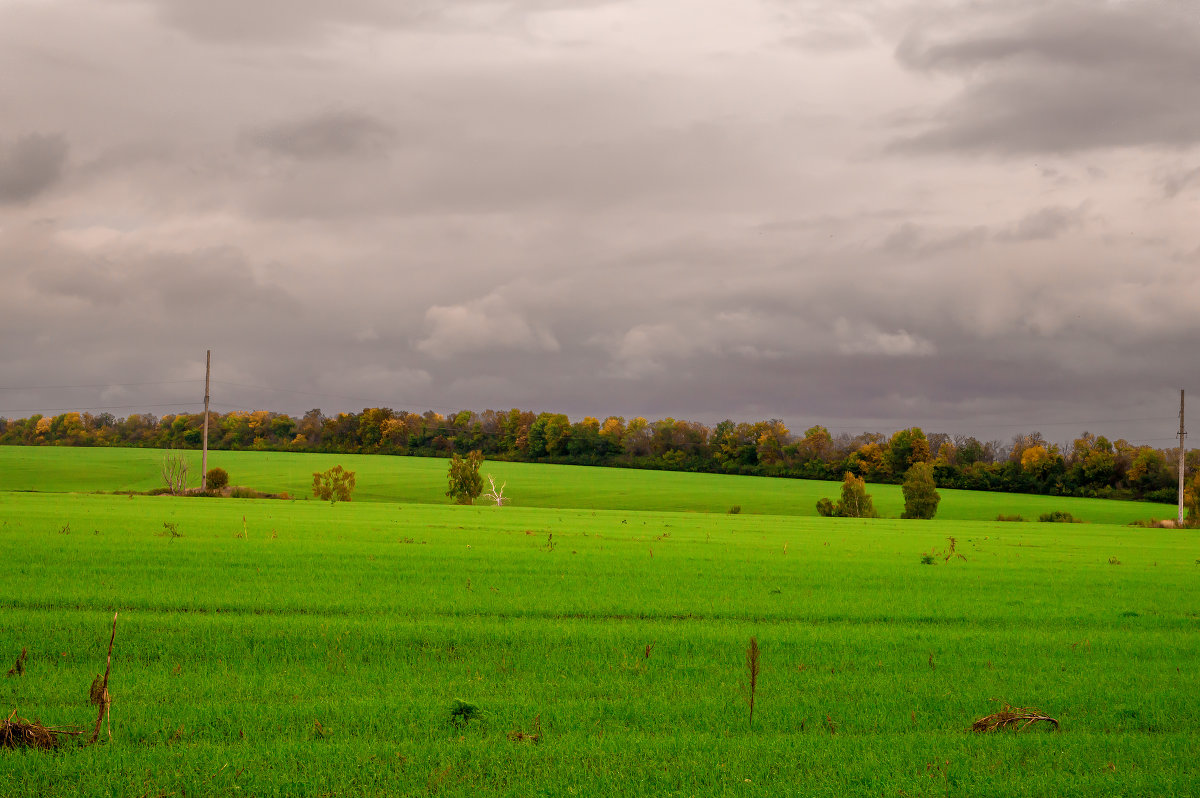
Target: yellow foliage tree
1033 457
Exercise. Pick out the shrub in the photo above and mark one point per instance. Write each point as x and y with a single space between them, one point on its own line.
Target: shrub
920 492
735 509
825 508
216 478
1058 517
333 485
245 493
1003 517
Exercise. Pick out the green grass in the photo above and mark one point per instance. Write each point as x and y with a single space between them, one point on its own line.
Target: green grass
371 618
423 480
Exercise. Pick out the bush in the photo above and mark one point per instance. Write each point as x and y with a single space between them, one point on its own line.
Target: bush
1058 517
735 509
1003 517
1163 495
825 508
216 479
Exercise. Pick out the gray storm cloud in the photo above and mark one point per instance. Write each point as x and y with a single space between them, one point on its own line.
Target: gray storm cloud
1065 76
30 165
977 217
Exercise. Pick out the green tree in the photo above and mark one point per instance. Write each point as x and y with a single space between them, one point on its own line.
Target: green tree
920 492
465 484
333 485
548 435
906 447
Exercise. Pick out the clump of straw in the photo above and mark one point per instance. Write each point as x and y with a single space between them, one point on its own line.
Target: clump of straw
20 733
1010 717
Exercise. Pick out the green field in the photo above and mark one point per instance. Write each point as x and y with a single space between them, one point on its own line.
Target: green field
303 648
423 480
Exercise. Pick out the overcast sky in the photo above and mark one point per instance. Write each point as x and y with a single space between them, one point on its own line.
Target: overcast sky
978 217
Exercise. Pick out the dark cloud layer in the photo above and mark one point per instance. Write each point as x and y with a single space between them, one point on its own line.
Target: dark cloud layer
234 21
329 135
30 165
746 209
1062 77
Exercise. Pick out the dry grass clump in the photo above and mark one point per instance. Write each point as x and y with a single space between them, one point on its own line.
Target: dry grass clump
1010 717
18 668
533 736
20 733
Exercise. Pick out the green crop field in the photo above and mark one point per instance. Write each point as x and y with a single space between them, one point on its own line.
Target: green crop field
423 480
598 627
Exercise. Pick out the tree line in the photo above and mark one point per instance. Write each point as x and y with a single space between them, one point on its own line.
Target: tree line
1092 465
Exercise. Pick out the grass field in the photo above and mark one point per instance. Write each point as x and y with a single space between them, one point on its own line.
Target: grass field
423 480
302 648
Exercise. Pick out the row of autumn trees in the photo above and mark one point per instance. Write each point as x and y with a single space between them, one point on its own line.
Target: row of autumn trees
1090 466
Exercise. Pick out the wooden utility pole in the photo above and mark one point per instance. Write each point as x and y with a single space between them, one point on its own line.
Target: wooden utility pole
204 456
1182 435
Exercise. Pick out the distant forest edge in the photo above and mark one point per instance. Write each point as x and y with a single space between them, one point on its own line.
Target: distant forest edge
1093 466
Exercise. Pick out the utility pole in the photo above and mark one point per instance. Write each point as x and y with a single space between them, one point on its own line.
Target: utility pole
204 456
1182 435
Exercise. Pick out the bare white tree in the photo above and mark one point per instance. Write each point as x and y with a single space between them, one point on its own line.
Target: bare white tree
174 472
496 494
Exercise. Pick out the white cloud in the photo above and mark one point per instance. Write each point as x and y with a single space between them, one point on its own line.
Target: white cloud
865 339
481 325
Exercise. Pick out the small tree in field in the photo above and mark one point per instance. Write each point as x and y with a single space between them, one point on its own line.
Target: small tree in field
465 484
855 501
175 473
920 492
496 494
333 485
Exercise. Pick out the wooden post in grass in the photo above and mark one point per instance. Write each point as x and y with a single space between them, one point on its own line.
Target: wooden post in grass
1182 435
204 456
100 695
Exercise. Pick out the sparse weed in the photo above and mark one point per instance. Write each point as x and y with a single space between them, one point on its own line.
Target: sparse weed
1058 517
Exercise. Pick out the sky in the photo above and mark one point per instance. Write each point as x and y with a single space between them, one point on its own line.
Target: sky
976 217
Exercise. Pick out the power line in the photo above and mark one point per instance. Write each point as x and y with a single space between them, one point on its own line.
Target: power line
372 402
98 407
1030 427
94 385
294 391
